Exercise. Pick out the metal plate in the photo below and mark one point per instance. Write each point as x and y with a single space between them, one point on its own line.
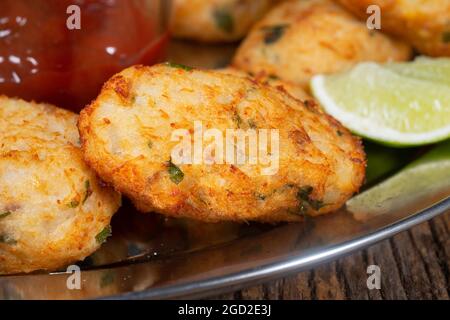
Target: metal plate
150 257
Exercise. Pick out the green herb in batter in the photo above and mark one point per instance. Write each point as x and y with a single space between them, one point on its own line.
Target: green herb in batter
304 196
316 204
73 204
175 173
7 239
150 144
304 193
88 190
224 20
260 196
5 214
237 119
252 124
104 234
273 33
446 37
179 66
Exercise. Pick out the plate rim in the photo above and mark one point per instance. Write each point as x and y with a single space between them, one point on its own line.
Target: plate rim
286 266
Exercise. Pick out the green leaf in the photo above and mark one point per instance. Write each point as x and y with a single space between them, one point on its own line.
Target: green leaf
6 239
224 20
382 160
304 192
178 66
273 33
104 234
316 204
260 196
304 196
73 204
5 214
237 119
88 192
175 173
252 124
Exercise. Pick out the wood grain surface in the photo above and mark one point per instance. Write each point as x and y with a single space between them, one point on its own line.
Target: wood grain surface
414 264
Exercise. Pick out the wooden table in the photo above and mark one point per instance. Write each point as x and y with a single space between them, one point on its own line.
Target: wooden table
414 264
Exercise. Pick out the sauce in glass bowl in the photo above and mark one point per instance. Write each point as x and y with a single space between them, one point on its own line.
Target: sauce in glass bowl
43 59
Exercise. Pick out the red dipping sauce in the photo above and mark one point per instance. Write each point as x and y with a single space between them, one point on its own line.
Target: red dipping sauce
42 59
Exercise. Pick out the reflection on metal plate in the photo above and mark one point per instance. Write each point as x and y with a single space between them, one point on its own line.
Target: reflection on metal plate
152 257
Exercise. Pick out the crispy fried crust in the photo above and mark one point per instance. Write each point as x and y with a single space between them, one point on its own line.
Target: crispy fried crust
126 138
216 20
425 24
298 39
51 204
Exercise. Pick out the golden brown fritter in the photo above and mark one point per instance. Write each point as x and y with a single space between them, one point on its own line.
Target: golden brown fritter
51 204
127 138
216 20
298 39
425 24
293 89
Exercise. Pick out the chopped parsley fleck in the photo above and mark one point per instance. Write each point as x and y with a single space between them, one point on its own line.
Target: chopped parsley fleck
7 239
446 37
273 33
260 196
316 204
175 173
224 20
237 119
88 192
150 144
5 214
304 196
104 234
304 193
178 66
73 204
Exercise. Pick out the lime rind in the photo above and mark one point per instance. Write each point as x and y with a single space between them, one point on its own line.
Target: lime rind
422 177
431 69
377 127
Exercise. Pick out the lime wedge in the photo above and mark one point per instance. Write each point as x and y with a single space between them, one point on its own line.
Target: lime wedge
427 175
386 105
436 69
382 160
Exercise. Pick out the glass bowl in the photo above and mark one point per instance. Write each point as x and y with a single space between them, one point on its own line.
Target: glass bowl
62 51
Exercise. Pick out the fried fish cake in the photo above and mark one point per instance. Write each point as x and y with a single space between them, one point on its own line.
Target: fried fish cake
53 211
294 90
216 20
298 39
130 136
423 23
